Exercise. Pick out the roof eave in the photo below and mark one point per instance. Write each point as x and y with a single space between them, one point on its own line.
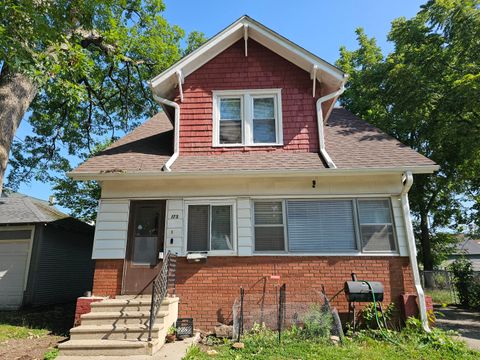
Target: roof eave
83 176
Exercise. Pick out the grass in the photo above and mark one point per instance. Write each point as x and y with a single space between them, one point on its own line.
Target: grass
19 332
265 346
52 319
440 296
51 354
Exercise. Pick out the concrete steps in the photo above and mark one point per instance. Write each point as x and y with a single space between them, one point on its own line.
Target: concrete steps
111 332
119 327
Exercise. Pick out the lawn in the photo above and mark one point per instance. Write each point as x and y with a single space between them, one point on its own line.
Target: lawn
34 333
368 346
441 296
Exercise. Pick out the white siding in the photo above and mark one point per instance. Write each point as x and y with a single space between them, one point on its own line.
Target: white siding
244 227
399 226
111 229
174 239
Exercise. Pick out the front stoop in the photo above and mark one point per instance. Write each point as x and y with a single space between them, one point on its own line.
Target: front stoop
118 327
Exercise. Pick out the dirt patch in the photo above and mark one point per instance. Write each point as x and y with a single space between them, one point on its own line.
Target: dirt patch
28 349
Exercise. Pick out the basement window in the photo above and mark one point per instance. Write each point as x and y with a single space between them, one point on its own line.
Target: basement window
247 118
210 228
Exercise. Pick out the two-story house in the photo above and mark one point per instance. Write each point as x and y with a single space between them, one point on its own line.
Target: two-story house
250 171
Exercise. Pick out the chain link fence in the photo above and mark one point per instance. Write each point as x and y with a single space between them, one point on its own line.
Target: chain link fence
439 284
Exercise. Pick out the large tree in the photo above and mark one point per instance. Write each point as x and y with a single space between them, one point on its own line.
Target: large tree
77 69
426 93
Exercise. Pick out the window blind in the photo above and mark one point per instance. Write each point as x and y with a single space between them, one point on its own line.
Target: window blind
198 228
321 226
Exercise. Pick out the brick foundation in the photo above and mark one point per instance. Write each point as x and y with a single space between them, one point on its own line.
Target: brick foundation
83 307
107 280
207 291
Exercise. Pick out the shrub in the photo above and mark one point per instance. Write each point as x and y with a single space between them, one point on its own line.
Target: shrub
463 279
317 323
368 318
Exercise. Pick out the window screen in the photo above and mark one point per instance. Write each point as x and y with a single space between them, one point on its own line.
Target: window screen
198 228
321 226
264 120
209 228
230 121
269 227
15 235
376 226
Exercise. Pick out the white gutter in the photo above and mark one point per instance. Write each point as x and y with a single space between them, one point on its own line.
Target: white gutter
176 129
321 137
412 250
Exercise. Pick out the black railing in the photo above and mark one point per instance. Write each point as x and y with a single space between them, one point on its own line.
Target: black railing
160 286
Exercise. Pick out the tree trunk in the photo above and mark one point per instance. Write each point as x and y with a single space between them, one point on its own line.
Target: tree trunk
16 94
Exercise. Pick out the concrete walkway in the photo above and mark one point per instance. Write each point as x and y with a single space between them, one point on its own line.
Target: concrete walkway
172 351
465 322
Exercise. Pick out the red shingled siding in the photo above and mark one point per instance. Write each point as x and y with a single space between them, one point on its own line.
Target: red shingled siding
261 69
208 291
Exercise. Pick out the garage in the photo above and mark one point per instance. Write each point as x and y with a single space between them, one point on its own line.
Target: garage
14 257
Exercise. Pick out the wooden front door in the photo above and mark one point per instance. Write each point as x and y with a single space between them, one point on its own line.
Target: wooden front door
145 241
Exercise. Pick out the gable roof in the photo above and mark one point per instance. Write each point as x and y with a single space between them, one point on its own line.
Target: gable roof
16 208
246 27
353 144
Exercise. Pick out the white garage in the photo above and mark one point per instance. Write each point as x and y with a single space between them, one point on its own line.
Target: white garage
15 248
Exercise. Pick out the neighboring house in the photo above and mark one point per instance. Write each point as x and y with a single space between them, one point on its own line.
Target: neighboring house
45 255
250 165
468 248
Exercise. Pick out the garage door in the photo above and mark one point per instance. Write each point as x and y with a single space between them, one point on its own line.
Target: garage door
14 249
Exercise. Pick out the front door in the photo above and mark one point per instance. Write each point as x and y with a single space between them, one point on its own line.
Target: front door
145 243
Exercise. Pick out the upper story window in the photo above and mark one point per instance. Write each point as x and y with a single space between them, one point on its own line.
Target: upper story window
247 117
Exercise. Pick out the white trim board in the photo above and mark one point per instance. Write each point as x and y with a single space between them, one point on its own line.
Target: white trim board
302 58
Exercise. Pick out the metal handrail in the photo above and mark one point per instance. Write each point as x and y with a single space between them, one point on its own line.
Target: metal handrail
160 285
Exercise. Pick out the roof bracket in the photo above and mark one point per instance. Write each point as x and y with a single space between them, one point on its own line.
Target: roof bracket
313 75
181 80
245 38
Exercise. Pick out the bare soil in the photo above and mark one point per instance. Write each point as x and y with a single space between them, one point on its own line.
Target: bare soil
28 349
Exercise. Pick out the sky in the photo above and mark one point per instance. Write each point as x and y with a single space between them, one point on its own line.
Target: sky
319 26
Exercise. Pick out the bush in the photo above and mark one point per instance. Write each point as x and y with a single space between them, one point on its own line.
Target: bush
467 286
317 323
368 319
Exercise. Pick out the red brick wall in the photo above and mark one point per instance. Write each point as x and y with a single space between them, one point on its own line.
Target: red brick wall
208 291
261 69
83 307
107 280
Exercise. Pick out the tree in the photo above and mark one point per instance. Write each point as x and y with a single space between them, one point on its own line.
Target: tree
426 93
78 69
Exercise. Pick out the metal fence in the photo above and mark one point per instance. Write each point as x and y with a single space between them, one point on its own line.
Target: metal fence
439 284
280 310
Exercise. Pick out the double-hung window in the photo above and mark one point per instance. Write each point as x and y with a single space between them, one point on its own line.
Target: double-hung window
376 225
269 226
247 117
210 227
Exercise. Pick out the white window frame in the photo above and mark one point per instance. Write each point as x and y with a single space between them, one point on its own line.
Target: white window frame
246 107
284 221
233 205
394 228
356 220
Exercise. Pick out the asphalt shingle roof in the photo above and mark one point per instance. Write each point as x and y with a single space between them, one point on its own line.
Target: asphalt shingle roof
17 208
351 143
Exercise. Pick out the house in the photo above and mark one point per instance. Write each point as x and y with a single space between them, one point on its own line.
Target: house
45 255
469 248
252 177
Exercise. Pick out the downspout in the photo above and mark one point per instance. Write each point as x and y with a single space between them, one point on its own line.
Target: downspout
412 250
176 130
321 137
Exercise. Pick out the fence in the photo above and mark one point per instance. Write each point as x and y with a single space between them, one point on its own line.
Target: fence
439 285
278 310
